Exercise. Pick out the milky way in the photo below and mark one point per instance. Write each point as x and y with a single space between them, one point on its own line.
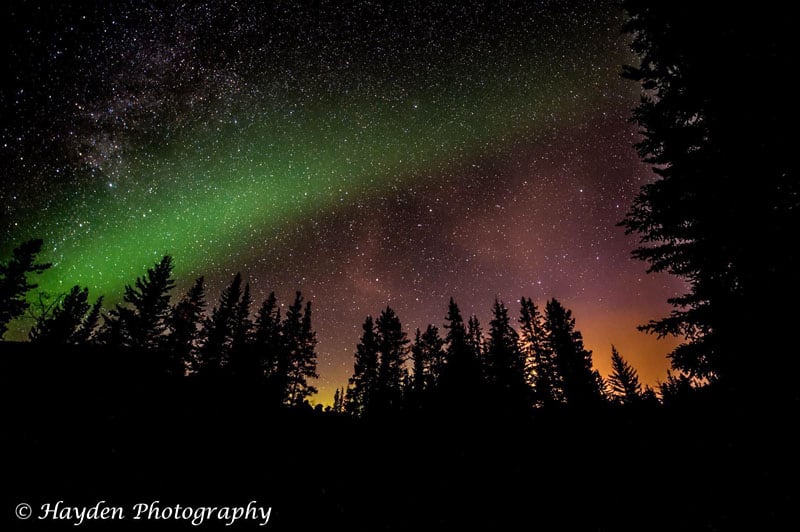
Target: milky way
364 153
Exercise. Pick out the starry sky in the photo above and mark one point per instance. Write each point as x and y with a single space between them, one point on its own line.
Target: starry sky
366 153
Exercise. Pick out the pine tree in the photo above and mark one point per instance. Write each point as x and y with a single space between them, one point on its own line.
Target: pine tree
420 365
475 336
14 283
726 199
142 324
184 325
219 328
87 331
541 372
338 401
363 384
392 351
624 381
298 359
427 355
433 346
461 374
267 336
244 358
242 324
68 321
505 365
306 364
582 385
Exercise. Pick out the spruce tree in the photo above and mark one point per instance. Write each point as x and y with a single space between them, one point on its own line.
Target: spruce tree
363 384
184 325
244 360
142 323
420 365
541 371
267 336
392 351
624 381
338 401
14 282
505 365
475 336
726 199
433 346
69 322
297 361
86 333
219 328
581 383
461 375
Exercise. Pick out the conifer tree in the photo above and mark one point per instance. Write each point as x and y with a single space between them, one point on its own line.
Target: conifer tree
461 374
581 383
363 384
267 336
624 381
88 329
244 359
392 351
184 325
420 365
475 336
298 360
70 321
726 198
541 372
433 346
505 364
14 282
338 401
219 328
142 323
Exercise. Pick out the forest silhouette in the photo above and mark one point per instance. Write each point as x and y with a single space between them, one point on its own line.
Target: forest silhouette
463 425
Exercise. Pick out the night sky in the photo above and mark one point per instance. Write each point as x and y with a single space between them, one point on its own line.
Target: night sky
366 153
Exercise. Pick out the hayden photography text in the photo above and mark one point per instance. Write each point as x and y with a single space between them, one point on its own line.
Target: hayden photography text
155 510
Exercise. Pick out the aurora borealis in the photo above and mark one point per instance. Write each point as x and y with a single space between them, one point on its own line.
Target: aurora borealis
365 153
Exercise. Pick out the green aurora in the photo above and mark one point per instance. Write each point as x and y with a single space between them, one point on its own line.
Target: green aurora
249 182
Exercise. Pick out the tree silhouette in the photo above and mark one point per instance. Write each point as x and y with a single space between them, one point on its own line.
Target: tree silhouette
14 283
242 324
142 323
392 350
244 359
184 325
475 336
540 364
72 320
427 355
624 381
298 359
338 401
461 374
727 195
581 384
267 336
219 328
364 382
87 332
505 365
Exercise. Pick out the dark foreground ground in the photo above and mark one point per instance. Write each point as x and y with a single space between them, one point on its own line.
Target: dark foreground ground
89 426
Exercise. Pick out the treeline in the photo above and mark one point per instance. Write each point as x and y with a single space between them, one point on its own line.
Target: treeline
540 363
275 351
